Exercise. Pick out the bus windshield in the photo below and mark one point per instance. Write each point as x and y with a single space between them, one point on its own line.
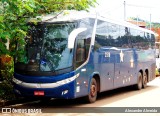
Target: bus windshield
47 46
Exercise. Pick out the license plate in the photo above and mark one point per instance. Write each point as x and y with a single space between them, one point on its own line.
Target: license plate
38 93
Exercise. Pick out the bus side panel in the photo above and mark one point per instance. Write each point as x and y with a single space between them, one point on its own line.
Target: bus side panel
125 68
147 62
144 62
153 70
104 65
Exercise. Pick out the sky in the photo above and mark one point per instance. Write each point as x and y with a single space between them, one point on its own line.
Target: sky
145 9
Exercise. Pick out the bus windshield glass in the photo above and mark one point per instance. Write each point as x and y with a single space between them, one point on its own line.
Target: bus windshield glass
47 46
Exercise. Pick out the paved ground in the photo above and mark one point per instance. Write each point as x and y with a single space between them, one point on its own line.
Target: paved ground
125 97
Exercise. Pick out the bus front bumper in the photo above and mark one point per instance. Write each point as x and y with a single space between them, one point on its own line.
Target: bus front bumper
65 91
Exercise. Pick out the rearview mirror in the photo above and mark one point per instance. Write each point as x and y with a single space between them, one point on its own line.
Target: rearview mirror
73 35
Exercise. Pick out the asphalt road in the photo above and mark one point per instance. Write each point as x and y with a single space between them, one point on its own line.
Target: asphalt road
108 103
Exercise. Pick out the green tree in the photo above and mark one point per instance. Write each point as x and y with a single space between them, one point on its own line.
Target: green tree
14 15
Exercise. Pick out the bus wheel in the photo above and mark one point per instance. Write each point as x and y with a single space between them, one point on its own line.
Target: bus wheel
144 80
138 86
92 96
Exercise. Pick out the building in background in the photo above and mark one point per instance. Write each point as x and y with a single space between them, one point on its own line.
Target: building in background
139 23
155 26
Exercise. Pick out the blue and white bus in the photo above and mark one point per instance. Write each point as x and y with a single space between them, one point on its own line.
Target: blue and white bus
74 54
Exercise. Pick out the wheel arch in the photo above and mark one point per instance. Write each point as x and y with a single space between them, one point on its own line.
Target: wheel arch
97 77
147 72
141 71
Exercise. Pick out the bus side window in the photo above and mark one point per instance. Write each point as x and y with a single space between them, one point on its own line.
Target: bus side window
80 52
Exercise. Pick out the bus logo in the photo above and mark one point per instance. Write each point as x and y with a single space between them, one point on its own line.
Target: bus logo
107 54
43 62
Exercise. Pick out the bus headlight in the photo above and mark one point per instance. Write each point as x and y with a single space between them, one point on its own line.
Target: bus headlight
16 81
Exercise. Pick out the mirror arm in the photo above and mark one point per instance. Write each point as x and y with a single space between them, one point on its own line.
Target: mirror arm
73 35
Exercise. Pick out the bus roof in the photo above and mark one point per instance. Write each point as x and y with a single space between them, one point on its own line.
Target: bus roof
63 16
126 24
72 15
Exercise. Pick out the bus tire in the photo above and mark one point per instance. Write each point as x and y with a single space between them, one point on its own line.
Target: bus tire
138 86
92 96
144 83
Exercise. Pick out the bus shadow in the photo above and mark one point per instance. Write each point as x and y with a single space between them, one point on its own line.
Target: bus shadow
121 93
104 98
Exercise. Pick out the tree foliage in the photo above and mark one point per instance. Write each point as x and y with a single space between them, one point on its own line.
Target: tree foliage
14 14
